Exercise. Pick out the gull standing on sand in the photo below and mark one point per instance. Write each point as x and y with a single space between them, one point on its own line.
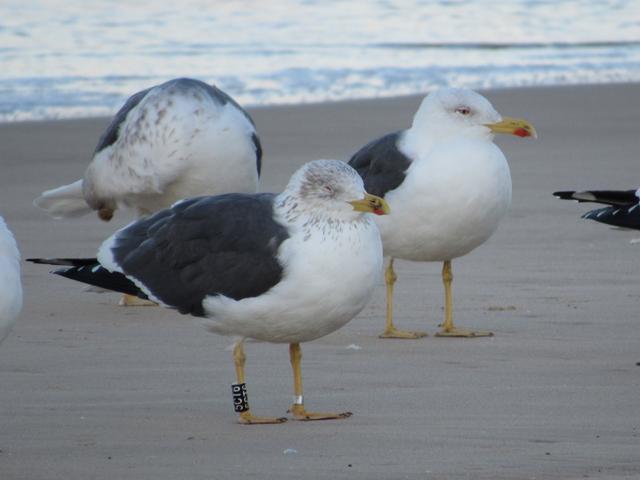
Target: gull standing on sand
285 268
176 140
623 210
447 185
10 284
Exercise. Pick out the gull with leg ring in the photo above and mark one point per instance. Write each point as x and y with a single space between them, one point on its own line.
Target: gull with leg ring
297 409
286 268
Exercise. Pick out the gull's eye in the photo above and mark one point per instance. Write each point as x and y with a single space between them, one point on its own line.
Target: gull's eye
327 189
462 110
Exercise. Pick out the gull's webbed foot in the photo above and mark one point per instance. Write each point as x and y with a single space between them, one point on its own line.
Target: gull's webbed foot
299 413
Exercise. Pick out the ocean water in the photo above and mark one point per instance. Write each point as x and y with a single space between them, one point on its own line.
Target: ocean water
74 58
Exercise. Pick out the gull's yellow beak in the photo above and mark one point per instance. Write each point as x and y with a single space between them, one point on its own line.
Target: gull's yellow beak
371 204
513 126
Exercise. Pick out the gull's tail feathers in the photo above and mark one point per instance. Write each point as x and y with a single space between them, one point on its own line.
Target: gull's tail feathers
66 201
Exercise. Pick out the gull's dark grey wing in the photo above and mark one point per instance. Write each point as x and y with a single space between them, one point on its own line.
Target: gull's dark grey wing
222 245
381 164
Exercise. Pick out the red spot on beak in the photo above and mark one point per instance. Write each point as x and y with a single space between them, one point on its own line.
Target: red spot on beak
521 132
378 211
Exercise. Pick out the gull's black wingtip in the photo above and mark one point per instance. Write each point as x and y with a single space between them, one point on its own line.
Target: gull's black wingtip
67 262
565 195
98 276
620 198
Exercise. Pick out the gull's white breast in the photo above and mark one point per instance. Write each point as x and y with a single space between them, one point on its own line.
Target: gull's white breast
450 202
329 275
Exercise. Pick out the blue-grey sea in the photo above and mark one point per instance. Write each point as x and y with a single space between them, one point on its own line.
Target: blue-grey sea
74 58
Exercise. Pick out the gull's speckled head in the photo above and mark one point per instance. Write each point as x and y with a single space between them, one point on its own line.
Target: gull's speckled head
332 187
328 179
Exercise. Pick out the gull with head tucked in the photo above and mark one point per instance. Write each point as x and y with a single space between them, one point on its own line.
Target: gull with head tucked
176 140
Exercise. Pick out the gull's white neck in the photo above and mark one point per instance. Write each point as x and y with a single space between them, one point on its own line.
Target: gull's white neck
313 213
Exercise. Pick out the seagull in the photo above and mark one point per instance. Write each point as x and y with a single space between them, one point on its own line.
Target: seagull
622 210
180 139
447 185
285 268
183 138
11 287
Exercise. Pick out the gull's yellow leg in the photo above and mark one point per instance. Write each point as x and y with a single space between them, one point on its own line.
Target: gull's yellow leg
390 331
448 330
297 409
133 301
240 402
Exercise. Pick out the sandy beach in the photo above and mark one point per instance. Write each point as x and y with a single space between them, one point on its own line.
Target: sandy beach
90 390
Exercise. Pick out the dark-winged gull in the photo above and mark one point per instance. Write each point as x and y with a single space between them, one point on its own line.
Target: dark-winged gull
286 268
447 184
623 208
10 283
176 140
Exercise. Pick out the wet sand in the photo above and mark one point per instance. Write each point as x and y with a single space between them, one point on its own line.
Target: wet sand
93 391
